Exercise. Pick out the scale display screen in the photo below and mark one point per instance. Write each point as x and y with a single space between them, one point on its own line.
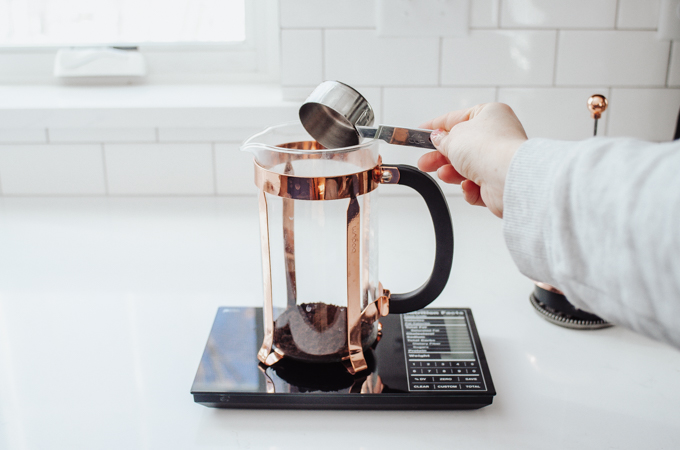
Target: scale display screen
439 351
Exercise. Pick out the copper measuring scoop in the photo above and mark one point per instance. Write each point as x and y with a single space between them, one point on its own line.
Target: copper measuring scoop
337 116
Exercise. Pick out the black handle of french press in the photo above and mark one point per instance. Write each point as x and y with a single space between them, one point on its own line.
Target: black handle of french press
443 234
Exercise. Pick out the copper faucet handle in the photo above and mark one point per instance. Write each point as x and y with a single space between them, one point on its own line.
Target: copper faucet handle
597 104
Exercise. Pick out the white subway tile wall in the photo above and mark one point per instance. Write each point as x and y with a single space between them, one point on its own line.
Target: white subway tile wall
614 58
484 13
301 57
558 14
638 14
499 58
160 169
207 134
233 170
644 113
674 66
23 135
542 57
52 169
359 57
413 106
58 135
557 113
327 13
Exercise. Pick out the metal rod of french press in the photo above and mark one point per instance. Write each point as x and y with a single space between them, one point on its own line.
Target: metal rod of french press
289 243
597 104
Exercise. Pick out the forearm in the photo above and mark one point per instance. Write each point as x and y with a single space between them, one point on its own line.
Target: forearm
600 219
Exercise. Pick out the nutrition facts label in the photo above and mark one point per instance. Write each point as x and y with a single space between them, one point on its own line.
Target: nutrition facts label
440 355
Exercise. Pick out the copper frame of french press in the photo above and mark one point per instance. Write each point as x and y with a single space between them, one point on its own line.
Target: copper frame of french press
291 187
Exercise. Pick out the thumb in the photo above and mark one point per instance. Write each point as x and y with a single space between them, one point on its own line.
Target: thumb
440 138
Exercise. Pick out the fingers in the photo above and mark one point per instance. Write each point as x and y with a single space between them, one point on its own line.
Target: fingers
472 193
448 121
448 174
432 161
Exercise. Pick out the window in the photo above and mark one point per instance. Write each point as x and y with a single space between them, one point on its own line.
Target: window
181 40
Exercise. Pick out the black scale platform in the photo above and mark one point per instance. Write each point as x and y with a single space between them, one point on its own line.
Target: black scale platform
429 359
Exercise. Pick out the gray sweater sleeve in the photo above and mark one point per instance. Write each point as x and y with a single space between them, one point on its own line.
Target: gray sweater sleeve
600 220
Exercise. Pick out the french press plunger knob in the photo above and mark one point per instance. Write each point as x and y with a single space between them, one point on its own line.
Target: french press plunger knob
597 104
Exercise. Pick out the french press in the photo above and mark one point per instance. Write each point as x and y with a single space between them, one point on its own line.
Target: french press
319 245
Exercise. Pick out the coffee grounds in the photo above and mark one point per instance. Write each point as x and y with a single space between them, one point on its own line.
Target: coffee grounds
316 332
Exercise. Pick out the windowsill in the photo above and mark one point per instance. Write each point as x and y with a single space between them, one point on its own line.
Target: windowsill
225 105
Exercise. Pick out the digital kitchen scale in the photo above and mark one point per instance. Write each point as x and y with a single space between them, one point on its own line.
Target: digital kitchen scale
428 359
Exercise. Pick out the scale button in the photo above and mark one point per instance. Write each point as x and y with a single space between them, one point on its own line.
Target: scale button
451 379
422 379
444 371
421 387
470 378
472 386
442 364
459 364
473 371
446 386
472 364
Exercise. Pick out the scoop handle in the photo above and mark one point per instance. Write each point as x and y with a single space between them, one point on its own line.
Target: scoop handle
411 137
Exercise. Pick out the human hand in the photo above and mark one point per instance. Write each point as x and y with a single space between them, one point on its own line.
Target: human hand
474 149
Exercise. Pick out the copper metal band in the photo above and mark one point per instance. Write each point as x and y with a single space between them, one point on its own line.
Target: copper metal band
356 353
317 188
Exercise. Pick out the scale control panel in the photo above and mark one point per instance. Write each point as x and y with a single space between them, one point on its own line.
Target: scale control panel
439 351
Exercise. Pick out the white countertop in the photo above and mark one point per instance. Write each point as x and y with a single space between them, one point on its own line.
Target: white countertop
106 304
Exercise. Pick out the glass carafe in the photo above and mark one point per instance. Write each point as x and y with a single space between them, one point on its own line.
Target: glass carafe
319 244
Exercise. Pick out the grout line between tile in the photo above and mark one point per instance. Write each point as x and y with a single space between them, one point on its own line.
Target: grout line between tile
335 27
469 14
280 49
439 63
214 164
587 29
616 14
500 12
106 172
101 142
323 54
608 112
557 46
668 66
